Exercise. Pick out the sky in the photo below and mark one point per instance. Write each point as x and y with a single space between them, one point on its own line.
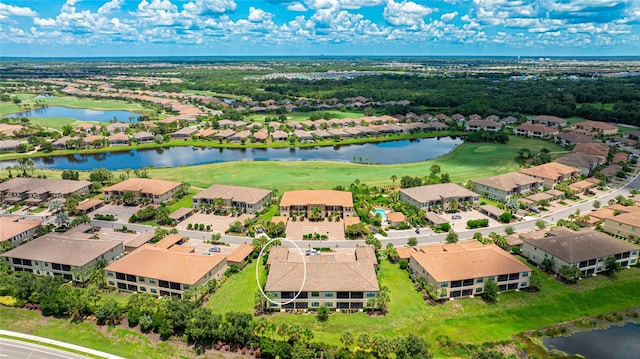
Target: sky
83 28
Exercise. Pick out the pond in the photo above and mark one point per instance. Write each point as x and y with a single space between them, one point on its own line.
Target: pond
620 342
391 152
80 114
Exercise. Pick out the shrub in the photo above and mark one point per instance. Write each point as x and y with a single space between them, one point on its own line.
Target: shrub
189 226
477 223
404 264
8 301
323 313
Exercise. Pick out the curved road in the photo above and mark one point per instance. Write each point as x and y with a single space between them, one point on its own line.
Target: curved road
399 238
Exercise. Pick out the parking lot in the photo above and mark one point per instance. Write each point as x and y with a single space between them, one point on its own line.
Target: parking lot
333 230
121 213
460 223
218 224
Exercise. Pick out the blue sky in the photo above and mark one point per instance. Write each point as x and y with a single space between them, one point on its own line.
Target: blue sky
319 27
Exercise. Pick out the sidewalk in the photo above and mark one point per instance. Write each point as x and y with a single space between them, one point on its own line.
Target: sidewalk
59 344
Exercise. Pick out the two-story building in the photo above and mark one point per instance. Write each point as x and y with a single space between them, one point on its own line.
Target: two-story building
462 269
425 197
247 199
482 125
34 191
329 202
344 279
535 131
624 224
157 191
552 173
586 250
61 255
164 269
17 231
503 186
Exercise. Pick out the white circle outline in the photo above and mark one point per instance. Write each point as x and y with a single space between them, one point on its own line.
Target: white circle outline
304 266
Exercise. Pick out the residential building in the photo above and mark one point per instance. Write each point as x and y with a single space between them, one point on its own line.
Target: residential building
34 191
462 269
503 186
164 270
596 128
586 163
17 231
552 173
157 191
247 199
62 255
535 130
595 149
548 121
571 138
329 201
482 125
624 224
426 197
586 249
343 279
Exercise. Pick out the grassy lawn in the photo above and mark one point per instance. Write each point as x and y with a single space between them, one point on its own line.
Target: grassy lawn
473 320
74 102
115 340
54 122
466 162
183 202
268 215
237 294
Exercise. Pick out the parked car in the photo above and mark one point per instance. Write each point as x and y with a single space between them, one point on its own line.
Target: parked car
206 253
534 209
214 249
456 216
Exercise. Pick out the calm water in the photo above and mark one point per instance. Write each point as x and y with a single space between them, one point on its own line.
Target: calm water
616 342
79 114
384 153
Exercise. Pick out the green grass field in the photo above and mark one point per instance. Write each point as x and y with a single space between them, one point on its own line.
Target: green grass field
74 102
118 341
473 320
468 161
238 293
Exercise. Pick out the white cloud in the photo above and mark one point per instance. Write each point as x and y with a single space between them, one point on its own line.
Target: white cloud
296 6
406 13
449 16
259 15
157 12
9 10
110 6
209 6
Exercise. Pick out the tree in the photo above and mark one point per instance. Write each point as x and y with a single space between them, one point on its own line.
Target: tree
364 341
108 312
505 217
541 224
394 178
101 175
129 198
508 230
316 214
596 204
56 206
412 241
62 219
434 169
323 313
346 338
535 281
391 252
452 237
477 236
611 265
547 265
412 347
490 291
569 273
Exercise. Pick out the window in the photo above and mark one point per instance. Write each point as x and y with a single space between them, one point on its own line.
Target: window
444 285
523 284
141 279
371 294
479 290
186 286
525 274
110 273
315 295
493 278
152 281
143 289
111 282
479 280
154 291
315 304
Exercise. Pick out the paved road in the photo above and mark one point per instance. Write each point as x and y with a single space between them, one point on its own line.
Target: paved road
399 238
14 349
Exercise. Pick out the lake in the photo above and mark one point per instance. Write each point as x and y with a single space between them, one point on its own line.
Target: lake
391 152
80 114
620 342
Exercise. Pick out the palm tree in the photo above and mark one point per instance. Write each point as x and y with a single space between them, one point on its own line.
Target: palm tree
346 338
394 178
316 213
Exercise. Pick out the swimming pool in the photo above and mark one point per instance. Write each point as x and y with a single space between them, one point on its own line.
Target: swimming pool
381 212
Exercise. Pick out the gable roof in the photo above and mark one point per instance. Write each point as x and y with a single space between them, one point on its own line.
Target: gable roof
507 181
235 193
551 170
325 197
436 192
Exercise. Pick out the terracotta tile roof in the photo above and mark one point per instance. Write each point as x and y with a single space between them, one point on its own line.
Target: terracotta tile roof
596 149
436 192
235 193
336 271
466 260
240 254
151 262
551 170
144 185
319 197
12 226
507 181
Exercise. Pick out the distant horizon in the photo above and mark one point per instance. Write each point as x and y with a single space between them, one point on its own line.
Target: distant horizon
342 56
278 28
